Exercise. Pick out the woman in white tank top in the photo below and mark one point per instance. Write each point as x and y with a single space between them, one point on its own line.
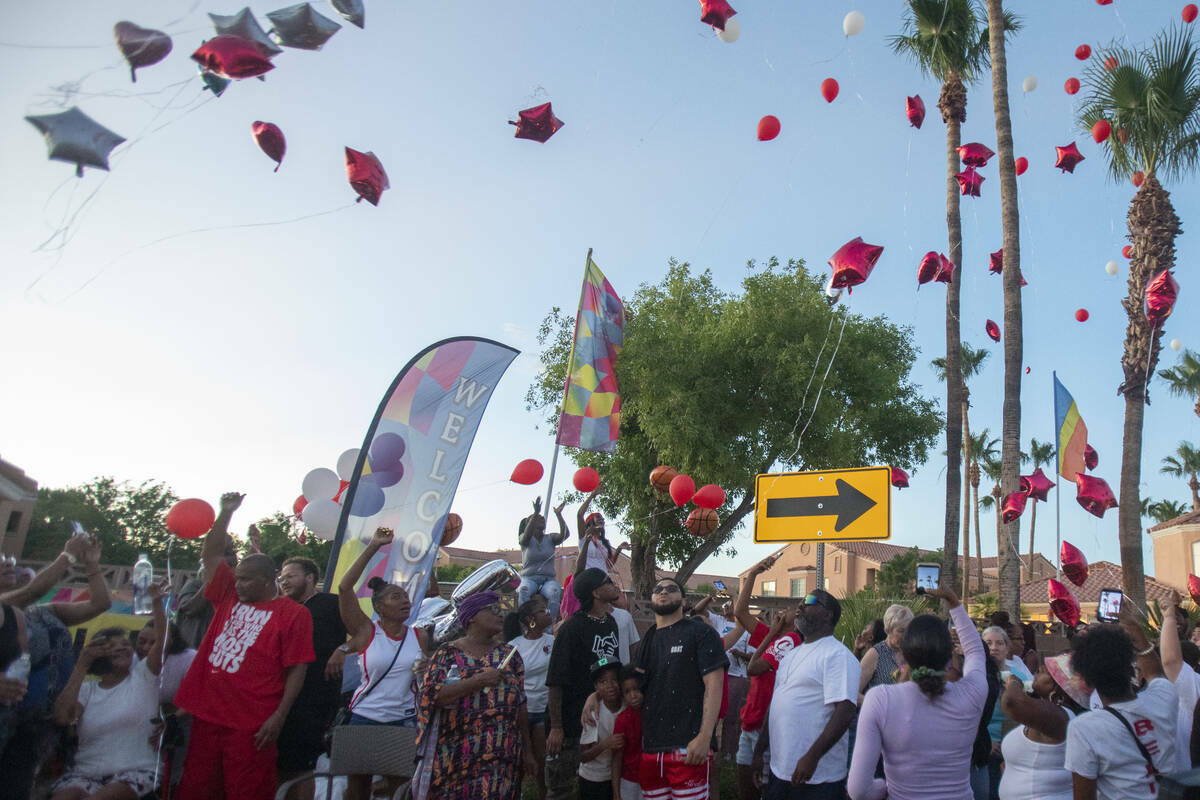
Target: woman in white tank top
387 649
1035 750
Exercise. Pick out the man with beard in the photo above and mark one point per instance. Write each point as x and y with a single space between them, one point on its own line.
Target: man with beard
682 660
815 692
302 739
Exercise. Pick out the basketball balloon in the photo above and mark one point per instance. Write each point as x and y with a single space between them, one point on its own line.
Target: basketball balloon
661 477
702 521
452 530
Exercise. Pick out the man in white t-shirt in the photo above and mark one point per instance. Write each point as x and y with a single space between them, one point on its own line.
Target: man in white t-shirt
1115 752
627 632
1181 673
816 687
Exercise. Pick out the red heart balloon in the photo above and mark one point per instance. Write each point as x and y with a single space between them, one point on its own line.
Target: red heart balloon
1091 459
1094 494
682 489
1074 563
709 496
191 518
914 109
1063 603
899 478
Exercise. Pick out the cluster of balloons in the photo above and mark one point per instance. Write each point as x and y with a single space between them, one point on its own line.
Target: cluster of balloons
935 267
1063 604
190 518
702 520
322 491
974 155
1035 486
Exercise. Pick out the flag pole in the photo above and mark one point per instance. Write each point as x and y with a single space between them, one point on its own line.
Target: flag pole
1057 488
570 358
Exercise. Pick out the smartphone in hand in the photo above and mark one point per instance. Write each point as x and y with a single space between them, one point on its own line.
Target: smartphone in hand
928 576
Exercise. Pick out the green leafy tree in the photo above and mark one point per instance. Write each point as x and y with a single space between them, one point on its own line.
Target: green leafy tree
1183 379
279 538
452 573
717 385
128 518
1152 100
1185 461
867 605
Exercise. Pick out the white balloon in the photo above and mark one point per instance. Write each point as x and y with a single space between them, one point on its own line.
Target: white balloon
1176 344
346 462
321 517
1030 83
320 484
1112 267
853 23
733 29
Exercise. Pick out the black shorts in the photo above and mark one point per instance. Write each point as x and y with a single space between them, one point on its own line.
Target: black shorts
302 739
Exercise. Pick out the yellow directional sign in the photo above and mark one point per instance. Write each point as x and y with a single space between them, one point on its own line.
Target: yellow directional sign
831 505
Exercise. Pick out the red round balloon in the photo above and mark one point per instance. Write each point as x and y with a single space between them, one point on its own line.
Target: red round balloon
342 486
1139 177
298 505
1072 85
1101 130
1189 13
709 496
586 479
768 128
1110 63
829 89
270 139
1022 164
1083 52
1081 315
527 472
1127 251
683 488
191 518
1074 563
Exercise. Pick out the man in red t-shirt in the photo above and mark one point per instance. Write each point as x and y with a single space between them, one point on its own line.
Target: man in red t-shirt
248 670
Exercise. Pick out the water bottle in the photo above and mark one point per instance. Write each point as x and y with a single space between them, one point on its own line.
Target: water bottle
143 575
453 675
18 670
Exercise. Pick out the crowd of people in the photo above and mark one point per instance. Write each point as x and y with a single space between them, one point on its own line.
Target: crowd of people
564 697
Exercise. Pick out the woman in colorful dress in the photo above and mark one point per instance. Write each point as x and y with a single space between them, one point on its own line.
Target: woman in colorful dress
474 728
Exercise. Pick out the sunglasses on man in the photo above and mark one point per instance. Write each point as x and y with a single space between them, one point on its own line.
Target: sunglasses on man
665 588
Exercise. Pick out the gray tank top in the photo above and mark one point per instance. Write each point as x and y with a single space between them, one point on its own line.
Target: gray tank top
538 557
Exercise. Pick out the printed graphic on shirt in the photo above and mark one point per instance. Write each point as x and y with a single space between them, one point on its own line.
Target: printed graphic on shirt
239 635
782 646
605 646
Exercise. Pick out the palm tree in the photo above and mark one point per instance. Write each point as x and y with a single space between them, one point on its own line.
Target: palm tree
1183 380
1152 99
970 363
1042 455
947 41
984 448
999 25
1186 461
1163 510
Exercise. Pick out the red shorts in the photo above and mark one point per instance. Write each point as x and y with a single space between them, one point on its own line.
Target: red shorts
223 763
666 777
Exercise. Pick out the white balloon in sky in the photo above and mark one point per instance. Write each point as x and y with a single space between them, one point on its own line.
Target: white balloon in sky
321 517
853 23
320 484
346 462
1176 344
733 29
1029 84
1112 267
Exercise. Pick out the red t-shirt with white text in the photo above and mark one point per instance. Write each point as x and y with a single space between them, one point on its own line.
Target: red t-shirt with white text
758 700
236 679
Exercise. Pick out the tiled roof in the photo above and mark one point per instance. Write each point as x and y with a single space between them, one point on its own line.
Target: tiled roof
1190 518
1101 575
879 552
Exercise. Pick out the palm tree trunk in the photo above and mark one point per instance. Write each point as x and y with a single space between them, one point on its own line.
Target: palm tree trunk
1194 485
1153 226
955 401
966 504
1010 438
978 541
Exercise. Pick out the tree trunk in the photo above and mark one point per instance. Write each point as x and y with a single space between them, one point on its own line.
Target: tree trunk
1194 485
978 539
1010 438
1153 226
642 556
954 384
717 538
1032 525
966 504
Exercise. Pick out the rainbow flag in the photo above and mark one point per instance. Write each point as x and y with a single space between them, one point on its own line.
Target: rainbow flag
1072 433
591 409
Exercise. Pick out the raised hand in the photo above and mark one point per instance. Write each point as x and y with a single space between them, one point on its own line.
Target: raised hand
382 537
230 501
255 537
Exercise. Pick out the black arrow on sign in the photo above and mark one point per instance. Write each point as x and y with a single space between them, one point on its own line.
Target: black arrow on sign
848 504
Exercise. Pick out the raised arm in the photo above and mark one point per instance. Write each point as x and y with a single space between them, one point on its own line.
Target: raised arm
50 574
526 535
1168 641
1041 715
213 551
741 607
98 600
581 514
974 656
358 624
1149 665
154 659
66 707
564 532
703 603
759 665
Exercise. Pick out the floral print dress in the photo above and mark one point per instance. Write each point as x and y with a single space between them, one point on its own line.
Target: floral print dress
477 751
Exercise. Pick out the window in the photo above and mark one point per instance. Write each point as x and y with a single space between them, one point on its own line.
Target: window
14 522
799 587
827 584
768 588
870 577
837 565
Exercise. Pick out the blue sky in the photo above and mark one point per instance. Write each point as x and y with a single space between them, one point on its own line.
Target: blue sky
165 342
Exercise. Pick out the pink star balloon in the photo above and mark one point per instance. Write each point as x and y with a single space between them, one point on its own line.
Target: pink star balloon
1094 494
715 13
975 154
969 181
537 123
853 262
1063 603
1068 157
1037 485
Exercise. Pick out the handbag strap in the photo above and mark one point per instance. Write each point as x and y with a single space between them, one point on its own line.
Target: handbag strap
1141 747
384 674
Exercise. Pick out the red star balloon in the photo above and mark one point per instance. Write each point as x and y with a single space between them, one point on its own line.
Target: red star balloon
1101 130
1037 485
715 13
1161 294
1094 494
899 478
1091 459
367 176
945 270
537 123
768 128
232 57
969 181
1071 86
141 46
1063 603
993 330
1014 506
914 109
1021 164
975 154
1068 157
1074 563
1083 52
853 262
996 265
270 139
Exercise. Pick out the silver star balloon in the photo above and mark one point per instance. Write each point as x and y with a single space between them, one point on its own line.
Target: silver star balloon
301 27
76 138
351 10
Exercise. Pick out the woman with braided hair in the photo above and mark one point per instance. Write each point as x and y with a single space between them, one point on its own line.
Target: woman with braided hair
905 722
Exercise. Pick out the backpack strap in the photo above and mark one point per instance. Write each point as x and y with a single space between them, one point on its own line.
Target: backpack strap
1141 747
